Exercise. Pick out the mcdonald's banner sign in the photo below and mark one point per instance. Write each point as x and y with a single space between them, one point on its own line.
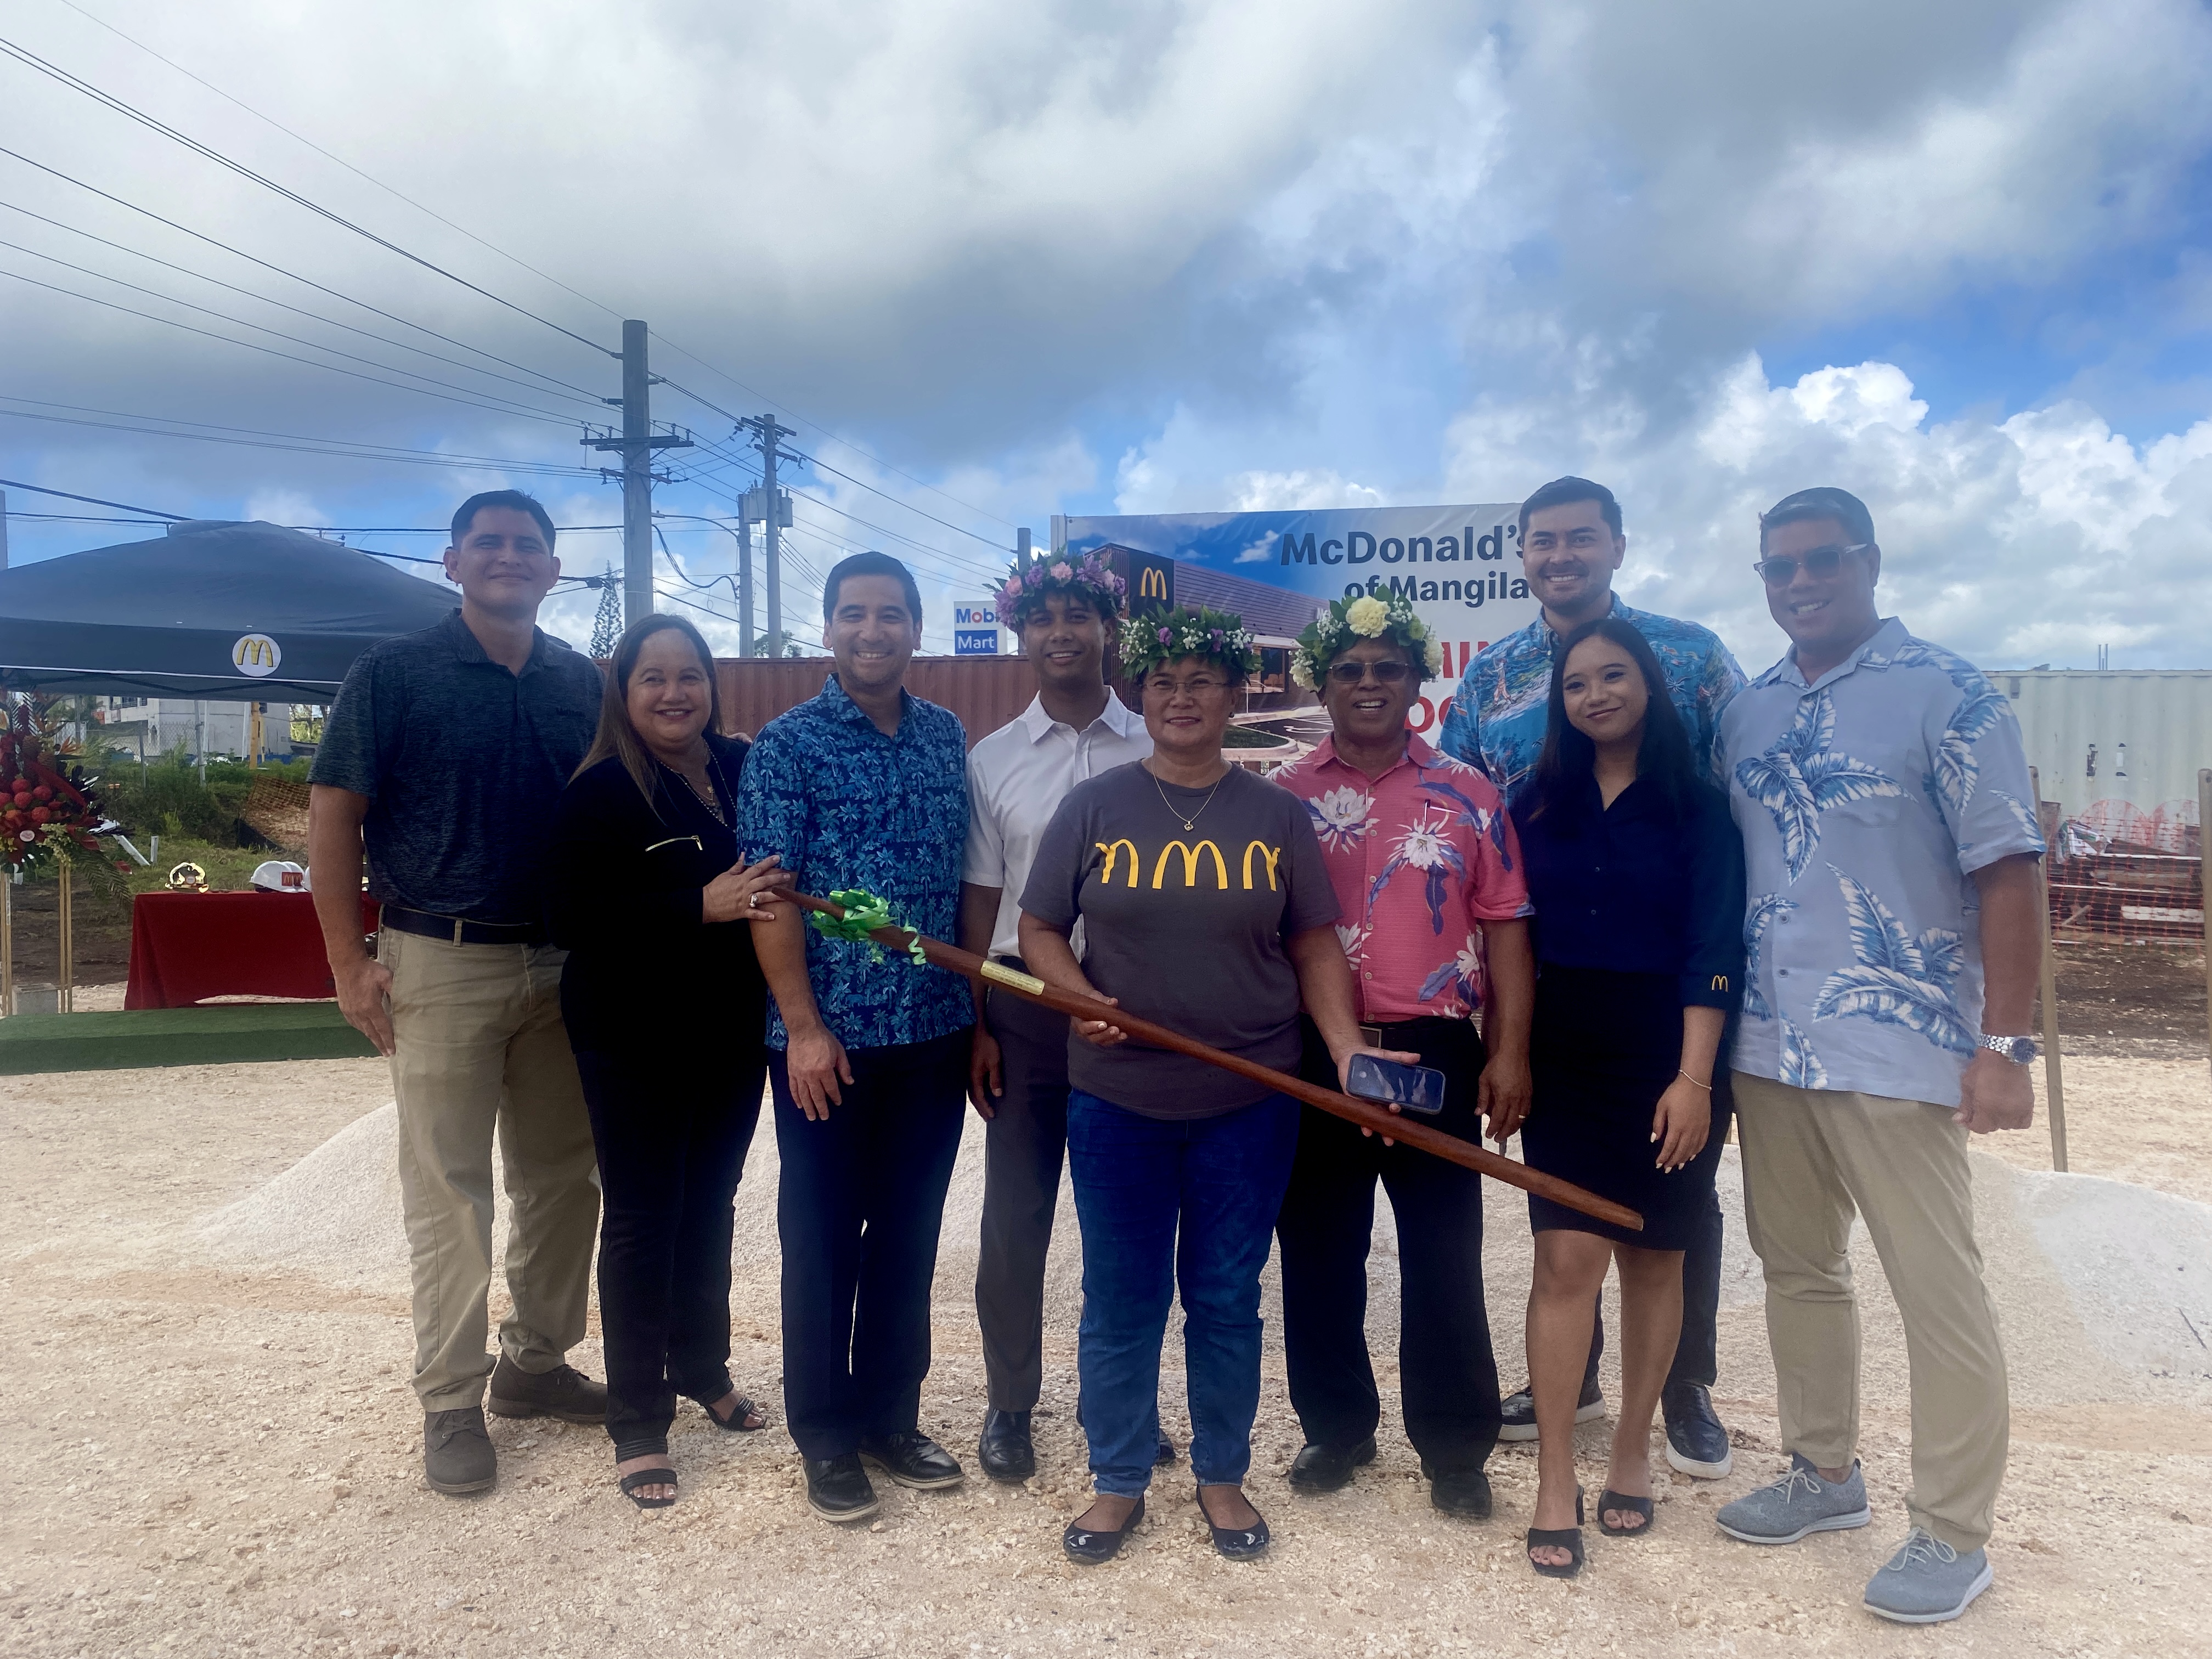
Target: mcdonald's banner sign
1460 566
256 655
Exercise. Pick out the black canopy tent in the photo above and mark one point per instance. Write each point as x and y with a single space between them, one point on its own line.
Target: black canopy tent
229 612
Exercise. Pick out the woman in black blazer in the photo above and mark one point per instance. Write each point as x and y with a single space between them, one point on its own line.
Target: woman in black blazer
666 1011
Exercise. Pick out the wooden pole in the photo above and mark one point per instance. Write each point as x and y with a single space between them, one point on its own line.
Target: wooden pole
66 1001
2204 887
1408 1131
2054 1077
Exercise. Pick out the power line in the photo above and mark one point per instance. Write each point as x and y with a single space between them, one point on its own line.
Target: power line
240 322
108 196
40 490
76 83
298 311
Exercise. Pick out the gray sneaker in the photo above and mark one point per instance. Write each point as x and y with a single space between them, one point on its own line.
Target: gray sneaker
1927 1581
1798 1504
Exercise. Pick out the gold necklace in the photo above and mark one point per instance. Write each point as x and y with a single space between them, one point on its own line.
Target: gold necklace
1191 822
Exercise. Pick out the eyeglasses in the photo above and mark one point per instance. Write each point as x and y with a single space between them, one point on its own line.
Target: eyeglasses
1196 686
1780 569
1350 673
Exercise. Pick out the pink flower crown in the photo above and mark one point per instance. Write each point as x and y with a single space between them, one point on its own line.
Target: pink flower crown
1023 591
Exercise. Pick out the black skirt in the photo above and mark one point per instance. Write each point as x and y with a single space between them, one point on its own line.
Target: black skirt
1604 1048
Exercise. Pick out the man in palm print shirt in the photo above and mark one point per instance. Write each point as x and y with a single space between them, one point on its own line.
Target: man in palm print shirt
1890 838
1422 859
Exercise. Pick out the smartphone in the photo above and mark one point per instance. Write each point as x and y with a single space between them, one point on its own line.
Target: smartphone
1415 1088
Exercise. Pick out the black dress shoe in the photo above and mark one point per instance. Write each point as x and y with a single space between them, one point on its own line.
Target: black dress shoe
1519 1411
913 1459
1005 1450
1328 1468
1464 1493
564 1393
837 1489
1697 1444
1089 1548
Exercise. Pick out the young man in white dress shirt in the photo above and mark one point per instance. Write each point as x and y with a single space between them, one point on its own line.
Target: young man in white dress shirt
1064 610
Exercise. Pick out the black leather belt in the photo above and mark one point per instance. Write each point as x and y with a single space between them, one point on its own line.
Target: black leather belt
455 930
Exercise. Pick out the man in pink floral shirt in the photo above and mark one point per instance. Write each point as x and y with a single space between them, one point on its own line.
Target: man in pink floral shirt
1427 876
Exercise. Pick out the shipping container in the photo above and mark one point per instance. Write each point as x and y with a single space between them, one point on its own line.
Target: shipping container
2119 748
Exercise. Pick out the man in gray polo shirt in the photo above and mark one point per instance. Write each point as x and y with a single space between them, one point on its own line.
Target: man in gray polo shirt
443 756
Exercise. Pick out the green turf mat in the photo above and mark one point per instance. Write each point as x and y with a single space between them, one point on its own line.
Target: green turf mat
220 1036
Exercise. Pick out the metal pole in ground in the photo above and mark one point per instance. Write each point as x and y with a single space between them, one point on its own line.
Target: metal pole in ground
7 942
2203 887
66 1001
2054 1079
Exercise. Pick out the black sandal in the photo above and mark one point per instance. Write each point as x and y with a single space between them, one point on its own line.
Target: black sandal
1089 1547
640 1478
1610 1499
1235 1543
1569 1538
735 1422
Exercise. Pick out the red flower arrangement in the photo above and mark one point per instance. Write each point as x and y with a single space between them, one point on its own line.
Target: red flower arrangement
48 808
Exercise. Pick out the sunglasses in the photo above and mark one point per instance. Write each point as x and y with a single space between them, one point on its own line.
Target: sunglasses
1780 569
1350 673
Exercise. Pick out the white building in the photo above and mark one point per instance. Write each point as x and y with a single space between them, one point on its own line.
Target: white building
157 726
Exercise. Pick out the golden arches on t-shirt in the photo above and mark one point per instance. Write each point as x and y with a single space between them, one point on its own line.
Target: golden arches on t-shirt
1270 853
1190 865
1106 875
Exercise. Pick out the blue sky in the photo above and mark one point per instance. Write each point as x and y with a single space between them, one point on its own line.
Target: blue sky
1016 258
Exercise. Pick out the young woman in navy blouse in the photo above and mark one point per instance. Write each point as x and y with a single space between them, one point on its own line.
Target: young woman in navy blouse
1637 876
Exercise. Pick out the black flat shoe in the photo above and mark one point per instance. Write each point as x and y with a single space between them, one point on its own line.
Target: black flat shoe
838 1489
1005 1450
1088 1549
1610 1499
735 1422
1569 1538
1328 1468
636 1479
913 1459
1237 1543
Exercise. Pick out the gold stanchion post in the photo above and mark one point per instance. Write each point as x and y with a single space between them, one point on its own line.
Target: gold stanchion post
66 1001
7 941
2054 1078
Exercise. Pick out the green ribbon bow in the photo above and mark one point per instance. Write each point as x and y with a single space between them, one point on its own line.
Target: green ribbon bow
864 913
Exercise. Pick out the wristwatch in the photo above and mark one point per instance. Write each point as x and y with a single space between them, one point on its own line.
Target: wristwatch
2020 1050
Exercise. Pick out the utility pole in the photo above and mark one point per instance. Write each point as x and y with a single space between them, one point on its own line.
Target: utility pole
745 583
774 518
635 446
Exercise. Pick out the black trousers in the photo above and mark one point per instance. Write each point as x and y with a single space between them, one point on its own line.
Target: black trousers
858 1210
672 1126
1448 1375
1697 1356
1024 1146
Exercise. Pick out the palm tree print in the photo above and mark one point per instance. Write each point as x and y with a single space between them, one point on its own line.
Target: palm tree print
1800 1066
1764 912
1801 776
1898 979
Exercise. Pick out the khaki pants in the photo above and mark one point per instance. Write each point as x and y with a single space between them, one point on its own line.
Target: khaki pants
1810 1157
480 1042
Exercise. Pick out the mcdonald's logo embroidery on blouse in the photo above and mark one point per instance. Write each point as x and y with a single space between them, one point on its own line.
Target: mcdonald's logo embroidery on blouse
1192 856
1720 982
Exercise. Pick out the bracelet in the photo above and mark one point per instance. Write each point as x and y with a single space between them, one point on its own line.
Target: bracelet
1686 1077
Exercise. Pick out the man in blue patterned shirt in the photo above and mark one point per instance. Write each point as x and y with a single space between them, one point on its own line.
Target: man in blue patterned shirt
1890 838
865 786
1570 544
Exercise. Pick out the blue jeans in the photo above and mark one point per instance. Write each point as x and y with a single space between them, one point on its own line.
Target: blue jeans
1218 1182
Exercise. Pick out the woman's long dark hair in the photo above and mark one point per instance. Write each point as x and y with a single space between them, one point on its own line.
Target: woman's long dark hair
617 736
1569 756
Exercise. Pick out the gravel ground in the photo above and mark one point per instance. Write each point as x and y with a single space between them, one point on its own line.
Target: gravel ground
218 1451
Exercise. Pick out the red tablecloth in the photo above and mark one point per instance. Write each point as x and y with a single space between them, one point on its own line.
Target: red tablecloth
188 947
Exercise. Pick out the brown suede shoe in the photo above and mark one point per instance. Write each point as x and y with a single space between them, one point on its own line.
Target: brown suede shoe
563 1392
457 1454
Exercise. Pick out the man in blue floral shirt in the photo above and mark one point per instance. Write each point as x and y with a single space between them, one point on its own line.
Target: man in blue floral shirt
1893 941
865 786
1570 544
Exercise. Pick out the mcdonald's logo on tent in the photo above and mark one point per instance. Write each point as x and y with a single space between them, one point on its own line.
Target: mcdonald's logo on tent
256 655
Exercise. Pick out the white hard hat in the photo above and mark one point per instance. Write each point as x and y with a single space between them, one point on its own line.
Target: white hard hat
280 876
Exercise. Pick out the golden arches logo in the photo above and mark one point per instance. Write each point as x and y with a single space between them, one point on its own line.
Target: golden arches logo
1152 583
1190 864
1106 875
1270 853
256 655
1720 982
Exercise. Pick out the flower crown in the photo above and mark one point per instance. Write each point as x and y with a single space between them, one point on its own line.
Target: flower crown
1369 617
1187 631
1023 591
